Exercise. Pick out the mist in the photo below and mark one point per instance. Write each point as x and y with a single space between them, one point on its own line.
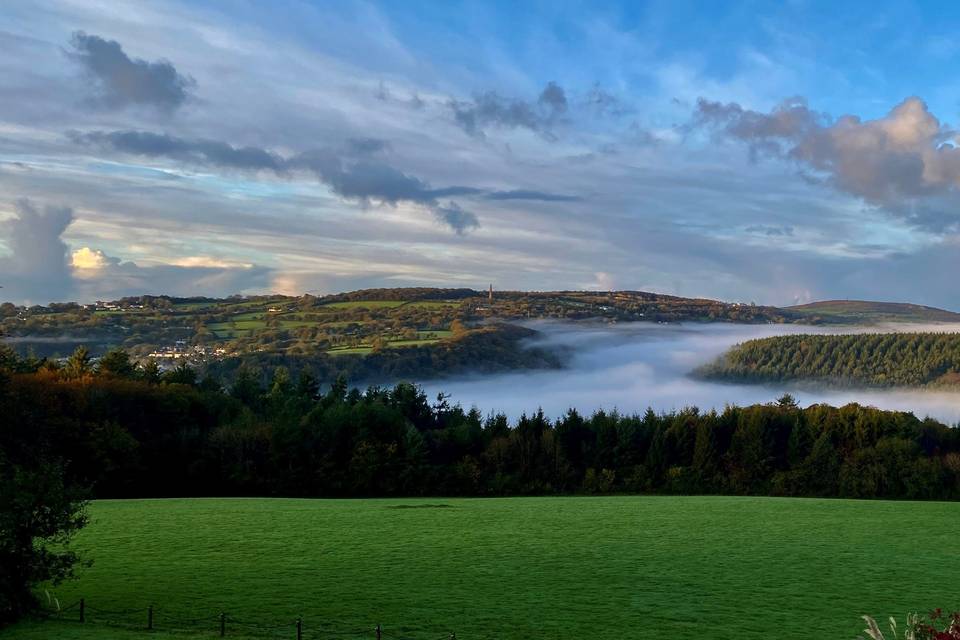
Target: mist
630 367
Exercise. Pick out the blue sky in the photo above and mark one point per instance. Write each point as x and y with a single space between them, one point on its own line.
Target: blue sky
775 152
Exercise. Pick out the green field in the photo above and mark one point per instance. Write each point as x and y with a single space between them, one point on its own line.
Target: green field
619 567
364 304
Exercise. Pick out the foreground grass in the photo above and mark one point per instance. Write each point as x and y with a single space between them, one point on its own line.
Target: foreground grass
622 567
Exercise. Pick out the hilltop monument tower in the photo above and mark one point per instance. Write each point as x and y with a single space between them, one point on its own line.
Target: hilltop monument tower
490 295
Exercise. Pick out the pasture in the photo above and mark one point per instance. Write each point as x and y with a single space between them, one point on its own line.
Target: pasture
617 567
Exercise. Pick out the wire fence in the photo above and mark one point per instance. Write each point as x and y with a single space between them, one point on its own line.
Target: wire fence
221 624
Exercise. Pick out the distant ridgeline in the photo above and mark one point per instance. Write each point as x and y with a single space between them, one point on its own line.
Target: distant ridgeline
369 335
873 360
380 334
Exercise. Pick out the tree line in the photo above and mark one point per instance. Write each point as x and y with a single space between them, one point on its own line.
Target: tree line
126 431
869 359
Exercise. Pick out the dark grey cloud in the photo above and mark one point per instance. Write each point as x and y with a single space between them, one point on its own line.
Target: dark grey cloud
490 110
526 194
906 161
364 180
120 81
38 266
770 230
199 151
459 220
447 192
553 98
367 181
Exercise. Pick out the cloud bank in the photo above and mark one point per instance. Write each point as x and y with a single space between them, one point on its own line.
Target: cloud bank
40 267
358 178
906 161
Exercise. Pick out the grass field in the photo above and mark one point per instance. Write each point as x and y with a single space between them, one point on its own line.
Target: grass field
364 304
578 568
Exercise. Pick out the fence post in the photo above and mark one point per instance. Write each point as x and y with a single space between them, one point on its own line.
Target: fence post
223 624
379 632
83 617
299 628
150 618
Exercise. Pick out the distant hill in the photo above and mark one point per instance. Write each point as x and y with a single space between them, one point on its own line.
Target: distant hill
853 360
864 311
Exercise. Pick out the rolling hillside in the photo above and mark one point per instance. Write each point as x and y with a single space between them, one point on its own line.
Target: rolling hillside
864 311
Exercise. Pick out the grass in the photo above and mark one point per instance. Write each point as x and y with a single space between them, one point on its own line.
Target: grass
433 304
364 304
438 333
598 568
343 351
240 324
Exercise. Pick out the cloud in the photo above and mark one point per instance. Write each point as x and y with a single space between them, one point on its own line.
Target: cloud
526 194
363 179
366 180
604 103
459 220
490 110
86 260
770 230
39 263
199 151
40 267
367 146
383 94
188 277
121 81
906 161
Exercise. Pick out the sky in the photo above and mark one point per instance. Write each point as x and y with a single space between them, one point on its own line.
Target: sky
747 151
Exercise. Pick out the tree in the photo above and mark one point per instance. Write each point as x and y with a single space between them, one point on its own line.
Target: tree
458 329
39 513
705 451
787 402
79 364
280 385
151 372
41 500
182 374
307 385
117 363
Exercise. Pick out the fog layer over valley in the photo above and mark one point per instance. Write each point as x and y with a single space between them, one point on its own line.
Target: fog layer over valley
632 366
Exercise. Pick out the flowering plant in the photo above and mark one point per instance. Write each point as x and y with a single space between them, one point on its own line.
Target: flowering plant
936 626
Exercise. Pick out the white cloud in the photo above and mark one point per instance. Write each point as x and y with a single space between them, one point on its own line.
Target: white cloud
85 260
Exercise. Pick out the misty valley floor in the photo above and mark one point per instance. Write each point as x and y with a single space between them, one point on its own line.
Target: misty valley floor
632 366
678 567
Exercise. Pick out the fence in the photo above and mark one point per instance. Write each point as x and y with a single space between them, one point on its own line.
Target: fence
221 624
